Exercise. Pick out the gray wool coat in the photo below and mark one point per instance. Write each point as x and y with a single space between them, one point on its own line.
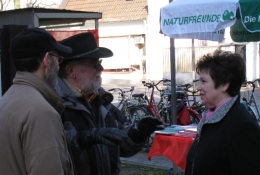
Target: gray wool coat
32 139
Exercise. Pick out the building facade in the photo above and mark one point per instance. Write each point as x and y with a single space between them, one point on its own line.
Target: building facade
131 29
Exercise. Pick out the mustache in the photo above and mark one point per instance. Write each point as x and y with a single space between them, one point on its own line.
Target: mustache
98 74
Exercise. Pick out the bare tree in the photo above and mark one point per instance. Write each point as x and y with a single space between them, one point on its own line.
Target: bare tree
40 4
4 4
28 3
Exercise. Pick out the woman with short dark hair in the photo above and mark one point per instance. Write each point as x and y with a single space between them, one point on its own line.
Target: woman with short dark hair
228 139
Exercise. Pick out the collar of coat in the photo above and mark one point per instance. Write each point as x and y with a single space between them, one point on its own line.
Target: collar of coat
218 115
78 92
50 95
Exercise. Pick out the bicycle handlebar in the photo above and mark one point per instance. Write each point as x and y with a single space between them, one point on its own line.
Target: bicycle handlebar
116 89
252 82
152 85
122 91
186 86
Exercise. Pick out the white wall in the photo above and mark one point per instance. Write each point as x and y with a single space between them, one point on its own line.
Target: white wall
122 28
252 61
155 41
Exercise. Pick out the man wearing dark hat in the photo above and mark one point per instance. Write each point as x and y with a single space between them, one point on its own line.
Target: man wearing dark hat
96 132
32 139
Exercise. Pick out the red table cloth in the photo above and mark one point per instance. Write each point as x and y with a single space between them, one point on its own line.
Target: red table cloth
173 147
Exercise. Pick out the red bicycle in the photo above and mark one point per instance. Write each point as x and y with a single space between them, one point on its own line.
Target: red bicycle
149 107
188 98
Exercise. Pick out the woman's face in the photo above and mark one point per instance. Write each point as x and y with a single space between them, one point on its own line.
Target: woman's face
210 96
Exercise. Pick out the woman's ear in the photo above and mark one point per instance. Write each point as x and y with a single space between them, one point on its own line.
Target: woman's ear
225 87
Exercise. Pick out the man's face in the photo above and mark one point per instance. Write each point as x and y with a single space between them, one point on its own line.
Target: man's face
88 75
51 77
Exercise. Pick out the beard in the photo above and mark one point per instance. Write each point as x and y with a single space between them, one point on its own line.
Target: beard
51 77
89 86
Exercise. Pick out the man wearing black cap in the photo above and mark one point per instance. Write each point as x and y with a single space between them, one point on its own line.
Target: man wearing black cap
96 132
32 139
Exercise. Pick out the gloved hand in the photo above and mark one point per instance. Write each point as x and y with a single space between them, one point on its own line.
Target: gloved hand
108 136
107 98
144 128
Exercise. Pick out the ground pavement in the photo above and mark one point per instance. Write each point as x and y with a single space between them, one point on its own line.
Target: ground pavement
156 162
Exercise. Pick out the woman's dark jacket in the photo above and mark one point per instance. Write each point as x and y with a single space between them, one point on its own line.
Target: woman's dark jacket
228 143
98 159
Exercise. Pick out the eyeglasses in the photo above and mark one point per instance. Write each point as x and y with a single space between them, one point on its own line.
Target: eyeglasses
60 58
93 64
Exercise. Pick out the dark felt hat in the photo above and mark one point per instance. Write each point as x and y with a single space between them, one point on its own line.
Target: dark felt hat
84 46
33 42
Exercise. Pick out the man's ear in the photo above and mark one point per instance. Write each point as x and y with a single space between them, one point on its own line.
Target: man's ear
46 61
44 67
70 71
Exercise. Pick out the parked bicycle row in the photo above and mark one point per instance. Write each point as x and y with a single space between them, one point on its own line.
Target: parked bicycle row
138 105
188 105
189 108
249 99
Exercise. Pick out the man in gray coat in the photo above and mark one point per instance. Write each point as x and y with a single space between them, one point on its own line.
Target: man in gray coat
32 139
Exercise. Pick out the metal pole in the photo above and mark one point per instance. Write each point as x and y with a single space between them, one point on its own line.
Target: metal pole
173 90
173 82
193 63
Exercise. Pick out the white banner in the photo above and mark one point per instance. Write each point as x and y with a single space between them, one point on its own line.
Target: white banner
189 17
213 36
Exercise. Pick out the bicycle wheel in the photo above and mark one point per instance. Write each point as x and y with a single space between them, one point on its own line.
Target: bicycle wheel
136 113
166 115
124 108
194 116
149 142
199 107
252 111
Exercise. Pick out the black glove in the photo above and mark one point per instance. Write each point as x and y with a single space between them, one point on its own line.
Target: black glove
144 128
108 136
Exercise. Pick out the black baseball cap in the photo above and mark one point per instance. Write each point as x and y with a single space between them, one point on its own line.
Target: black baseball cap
32 42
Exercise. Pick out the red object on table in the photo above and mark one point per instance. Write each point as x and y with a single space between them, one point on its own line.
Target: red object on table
173 147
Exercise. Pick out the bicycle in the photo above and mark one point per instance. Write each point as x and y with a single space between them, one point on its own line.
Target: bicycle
250 101
125 101
149 106
189 110
164 104
194 107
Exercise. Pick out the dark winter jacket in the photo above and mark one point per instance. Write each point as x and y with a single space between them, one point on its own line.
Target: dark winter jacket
98 159
228 143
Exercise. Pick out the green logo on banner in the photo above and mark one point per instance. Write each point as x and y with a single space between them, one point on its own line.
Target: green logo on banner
227 15
198 19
